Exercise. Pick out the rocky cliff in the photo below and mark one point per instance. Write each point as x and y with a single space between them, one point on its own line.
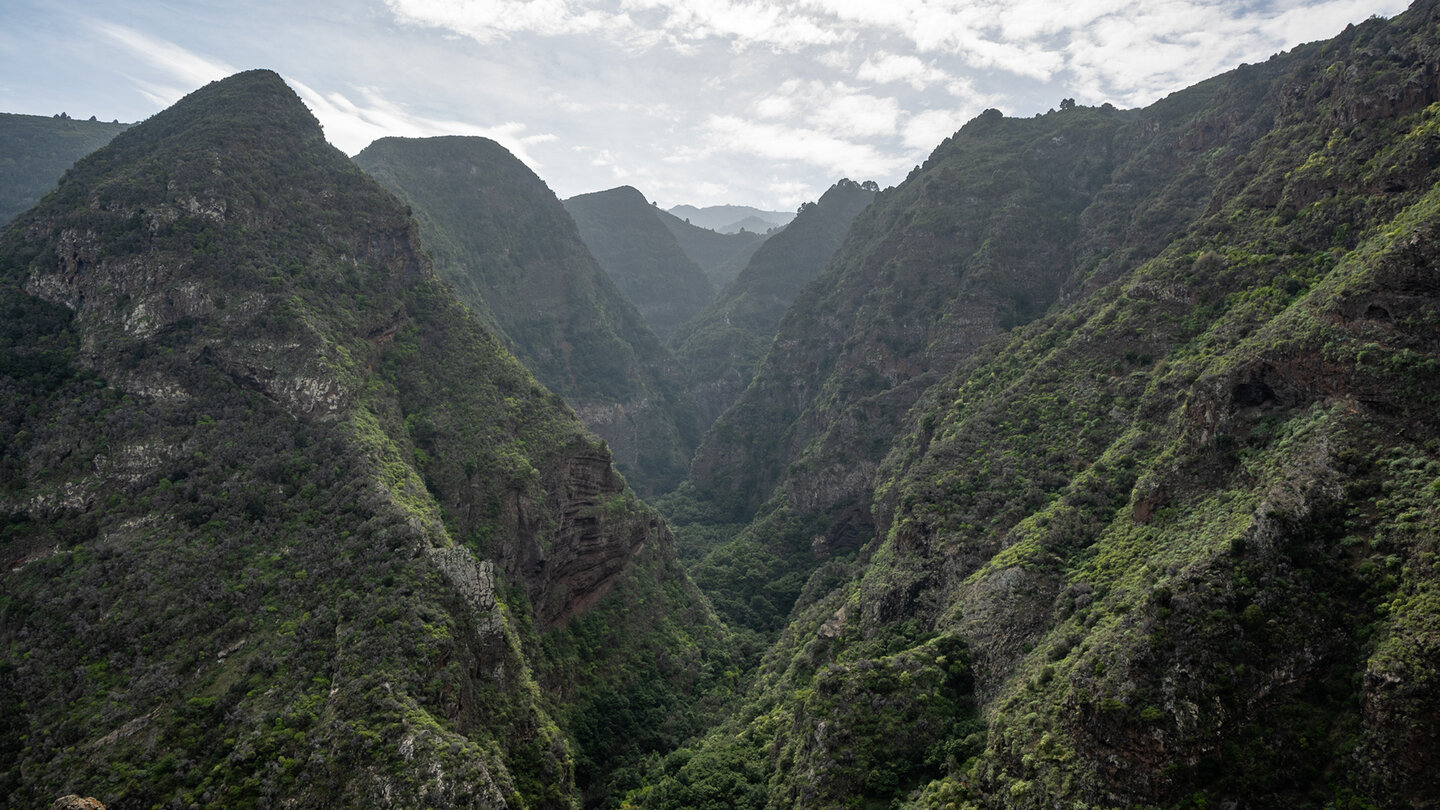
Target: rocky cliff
283 521
505 241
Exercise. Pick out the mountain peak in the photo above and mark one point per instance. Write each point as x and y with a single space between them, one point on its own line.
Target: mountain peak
254 99
628 195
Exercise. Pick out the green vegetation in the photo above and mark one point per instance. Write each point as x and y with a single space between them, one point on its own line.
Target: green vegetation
284 522
513 253
1156 461
721 347
720 255
641 255
1098 468
35 151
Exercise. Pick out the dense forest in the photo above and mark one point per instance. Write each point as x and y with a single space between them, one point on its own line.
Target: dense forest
1095 464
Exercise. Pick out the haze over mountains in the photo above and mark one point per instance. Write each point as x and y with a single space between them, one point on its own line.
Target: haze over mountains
732 218
1095 464
642 255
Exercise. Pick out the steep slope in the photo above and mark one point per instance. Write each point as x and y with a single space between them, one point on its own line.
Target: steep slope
283 523
1173 544
504 240
622 231
720 255
721 347
980 238
36 150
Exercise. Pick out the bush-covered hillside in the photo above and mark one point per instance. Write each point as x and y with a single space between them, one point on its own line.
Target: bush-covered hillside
641 255
1122 491
503 239
721 346
35 151
284 524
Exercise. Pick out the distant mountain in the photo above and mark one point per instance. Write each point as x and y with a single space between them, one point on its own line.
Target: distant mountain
1101 465
728 218
283 523
505 241
721 347
35 150
750 225
721 255
642 256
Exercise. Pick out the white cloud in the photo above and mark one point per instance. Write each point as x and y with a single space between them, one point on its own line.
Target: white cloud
730 133
790 193
885 68
183 70
490 20
857 115
352 125
186 66
924 131
678 23
835 108
1131 50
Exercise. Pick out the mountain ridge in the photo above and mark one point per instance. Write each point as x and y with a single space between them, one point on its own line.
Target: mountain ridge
36 152
1130 547
503 238
722 345
642 256
288 523
721 255
727 218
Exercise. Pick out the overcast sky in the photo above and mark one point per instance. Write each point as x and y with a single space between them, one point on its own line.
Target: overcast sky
691 101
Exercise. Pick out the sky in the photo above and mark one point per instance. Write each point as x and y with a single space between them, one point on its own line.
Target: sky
704 102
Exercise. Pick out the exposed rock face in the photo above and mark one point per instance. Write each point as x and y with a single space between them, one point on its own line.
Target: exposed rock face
642 257
73 802
571 560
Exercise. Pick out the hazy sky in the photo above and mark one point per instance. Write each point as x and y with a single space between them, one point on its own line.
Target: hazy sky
691 101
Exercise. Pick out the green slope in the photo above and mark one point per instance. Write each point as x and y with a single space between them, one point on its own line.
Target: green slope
284 524
36 150
720 255
721 347
503 239
1172 543
640 254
